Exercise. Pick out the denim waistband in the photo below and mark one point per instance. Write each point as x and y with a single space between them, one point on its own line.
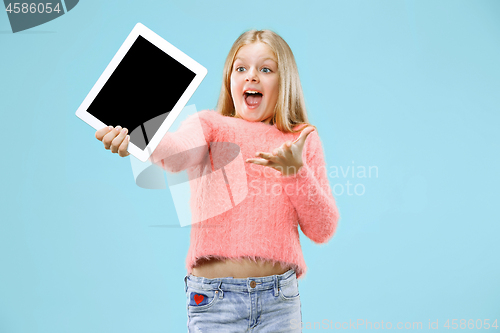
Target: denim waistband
229 283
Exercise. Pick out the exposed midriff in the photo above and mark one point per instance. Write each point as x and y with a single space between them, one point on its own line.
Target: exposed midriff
217 268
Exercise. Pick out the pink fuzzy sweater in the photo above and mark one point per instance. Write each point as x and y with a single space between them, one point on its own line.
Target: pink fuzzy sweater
248 210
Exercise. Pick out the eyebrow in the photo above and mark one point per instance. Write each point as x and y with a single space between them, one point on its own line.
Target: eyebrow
268 58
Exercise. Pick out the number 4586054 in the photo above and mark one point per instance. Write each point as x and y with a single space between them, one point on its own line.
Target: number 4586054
32 8
471 324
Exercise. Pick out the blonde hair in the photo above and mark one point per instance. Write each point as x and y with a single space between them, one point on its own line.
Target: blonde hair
290 109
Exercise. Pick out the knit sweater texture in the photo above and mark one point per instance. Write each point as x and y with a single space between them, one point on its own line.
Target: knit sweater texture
263 208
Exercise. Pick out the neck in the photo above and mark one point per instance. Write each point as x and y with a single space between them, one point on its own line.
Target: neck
267 121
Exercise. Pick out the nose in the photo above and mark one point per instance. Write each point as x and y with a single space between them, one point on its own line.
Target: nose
252 75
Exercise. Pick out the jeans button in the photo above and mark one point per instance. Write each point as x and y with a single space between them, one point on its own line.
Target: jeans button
253 284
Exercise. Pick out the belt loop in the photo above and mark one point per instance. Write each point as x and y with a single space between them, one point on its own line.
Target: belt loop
276 285
185 283
221 293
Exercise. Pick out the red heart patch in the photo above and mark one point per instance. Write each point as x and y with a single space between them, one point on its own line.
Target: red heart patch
198 298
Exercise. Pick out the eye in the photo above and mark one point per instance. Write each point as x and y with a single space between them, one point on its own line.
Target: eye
238 69
266 70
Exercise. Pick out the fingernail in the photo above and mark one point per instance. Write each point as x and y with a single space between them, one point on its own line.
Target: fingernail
124 130
128 137
118 128
110 128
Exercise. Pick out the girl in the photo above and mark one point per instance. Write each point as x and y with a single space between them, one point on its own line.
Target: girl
234 282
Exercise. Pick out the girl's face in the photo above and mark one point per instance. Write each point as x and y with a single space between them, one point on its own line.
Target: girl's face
255 82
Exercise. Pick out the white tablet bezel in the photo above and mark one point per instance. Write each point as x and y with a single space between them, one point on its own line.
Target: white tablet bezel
141 30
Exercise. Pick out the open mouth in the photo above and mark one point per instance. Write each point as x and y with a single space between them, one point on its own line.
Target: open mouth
253 98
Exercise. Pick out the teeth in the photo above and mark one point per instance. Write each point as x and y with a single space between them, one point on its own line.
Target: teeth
252 92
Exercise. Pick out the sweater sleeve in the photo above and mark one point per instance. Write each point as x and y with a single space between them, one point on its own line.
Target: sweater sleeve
311 195
186 147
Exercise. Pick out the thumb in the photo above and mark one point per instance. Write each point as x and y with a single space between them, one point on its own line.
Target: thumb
301 140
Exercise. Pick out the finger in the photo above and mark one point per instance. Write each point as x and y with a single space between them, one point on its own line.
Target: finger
99 134
116 143
122 151
259 161
287 148
285 151
305 132
108 138
303 135
279 152
266 156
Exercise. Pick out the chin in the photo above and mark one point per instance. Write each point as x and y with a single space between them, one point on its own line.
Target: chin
249 118
250 115
252 118
245 115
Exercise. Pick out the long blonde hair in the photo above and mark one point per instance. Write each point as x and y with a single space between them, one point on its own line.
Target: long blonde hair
290 109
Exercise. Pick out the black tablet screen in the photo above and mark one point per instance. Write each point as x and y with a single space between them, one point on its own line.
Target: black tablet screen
146 84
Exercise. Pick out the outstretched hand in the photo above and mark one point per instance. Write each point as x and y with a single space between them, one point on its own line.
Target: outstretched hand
288 158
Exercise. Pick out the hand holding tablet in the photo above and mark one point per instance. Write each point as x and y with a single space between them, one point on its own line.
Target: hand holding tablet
144 88
115 139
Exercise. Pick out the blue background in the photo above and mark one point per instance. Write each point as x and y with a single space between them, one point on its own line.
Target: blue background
410 87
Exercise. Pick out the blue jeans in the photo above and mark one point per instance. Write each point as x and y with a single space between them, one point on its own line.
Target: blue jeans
255 304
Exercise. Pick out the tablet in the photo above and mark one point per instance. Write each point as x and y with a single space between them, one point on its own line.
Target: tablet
144 88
